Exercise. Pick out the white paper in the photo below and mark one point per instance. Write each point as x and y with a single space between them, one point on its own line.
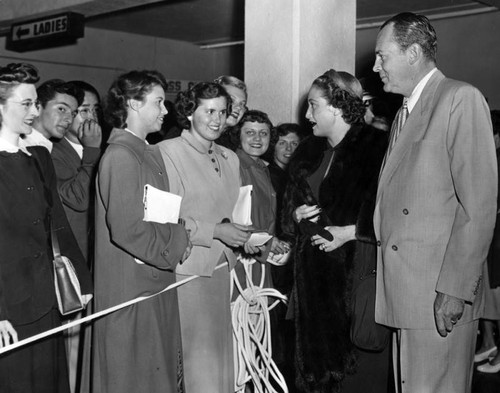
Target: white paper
161 206
258 239
242 212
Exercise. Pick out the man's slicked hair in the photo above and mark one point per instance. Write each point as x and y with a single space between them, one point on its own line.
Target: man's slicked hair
409 29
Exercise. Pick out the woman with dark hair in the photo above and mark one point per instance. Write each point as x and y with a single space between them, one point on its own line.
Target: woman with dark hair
206 175
280 153
29 208
253 135
136 349
333 181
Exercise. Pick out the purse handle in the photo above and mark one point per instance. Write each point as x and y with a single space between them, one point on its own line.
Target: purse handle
54 240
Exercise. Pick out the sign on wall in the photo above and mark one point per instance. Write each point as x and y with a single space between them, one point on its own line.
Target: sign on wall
175 86
56 30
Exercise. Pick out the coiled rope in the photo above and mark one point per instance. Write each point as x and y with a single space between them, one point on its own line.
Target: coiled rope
252 333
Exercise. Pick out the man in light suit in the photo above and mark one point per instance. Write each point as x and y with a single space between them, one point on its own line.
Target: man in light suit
435 212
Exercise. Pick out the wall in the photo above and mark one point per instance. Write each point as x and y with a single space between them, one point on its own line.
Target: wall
102 55
468 50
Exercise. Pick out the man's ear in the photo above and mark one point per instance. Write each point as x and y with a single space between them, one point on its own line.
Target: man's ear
414 53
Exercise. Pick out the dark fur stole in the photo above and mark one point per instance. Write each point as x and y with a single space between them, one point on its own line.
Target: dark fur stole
322 281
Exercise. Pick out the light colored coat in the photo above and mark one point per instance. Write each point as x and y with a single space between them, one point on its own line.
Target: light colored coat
135 349
208 181
436 207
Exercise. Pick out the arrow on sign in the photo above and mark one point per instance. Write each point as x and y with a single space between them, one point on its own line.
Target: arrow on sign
20 32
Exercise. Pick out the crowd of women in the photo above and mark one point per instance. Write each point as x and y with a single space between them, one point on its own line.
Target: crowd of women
182 339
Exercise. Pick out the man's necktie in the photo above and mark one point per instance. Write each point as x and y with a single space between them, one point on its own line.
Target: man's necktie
397 125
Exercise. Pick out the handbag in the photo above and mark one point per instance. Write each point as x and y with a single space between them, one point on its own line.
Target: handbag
365 332
68 292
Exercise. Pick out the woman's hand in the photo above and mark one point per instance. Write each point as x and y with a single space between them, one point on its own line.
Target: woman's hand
251 250
306 211
232 235
279 247
341 235
7 334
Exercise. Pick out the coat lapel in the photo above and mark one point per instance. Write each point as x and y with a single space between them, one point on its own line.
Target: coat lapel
412 131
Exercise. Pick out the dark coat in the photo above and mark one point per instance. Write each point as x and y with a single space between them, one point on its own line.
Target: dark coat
26 272
75 178
322 282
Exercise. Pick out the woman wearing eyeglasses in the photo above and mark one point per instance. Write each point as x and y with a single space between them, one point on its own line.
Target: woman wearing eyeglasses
29 202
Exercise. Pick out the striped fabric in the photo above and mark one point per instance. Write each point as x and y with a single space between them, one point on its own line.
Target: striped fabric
397 125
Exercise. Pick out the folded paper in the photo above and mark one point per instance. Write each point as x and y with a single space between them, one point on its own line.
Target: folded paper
161 206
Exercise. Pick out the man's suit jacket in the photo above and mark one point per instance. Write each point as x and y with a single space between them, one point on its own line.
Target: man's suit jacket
436 206
75 178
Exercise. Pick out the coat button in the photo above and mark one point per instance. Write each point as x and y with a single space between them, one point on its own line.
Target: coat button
405 212
164 253
395 248
379 243
37 255
30 188
37 221
160 173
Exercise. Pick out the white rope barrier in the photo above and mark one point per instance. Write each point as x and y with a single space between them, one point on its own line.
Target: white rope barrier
252 334
99 314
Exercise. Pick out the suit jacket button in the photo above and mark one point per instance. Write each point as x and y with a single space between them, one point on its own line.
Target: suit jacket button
379 243
164 253
395 248
405 212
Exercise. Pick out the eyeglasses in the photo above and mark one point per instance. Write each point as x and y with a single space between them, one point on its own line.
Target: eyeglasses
27 104
87 113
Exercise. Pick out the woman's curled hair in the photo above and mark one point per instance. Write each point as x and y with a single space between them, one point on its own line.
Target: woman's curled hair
187 101
253 116
133 85
343 91
14 74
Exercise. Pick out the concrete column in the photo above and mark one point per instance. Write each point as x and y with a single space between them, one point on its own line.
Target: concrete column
288 43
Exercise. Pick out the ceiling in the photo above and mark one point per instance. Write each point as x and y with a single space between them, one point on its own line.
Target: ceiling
216 21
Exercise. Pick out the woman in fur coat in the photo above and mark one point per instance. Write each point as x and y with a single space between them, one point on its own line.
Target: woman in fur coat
333 182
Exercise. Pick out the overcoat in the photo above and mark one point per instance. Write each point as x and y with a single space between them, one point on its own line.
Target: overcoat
322 281
27 293
436 207
75 178
135 349
207 179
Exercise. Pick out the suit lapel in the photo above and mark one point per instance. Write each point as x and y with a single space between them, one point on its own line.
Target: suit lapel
412 131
